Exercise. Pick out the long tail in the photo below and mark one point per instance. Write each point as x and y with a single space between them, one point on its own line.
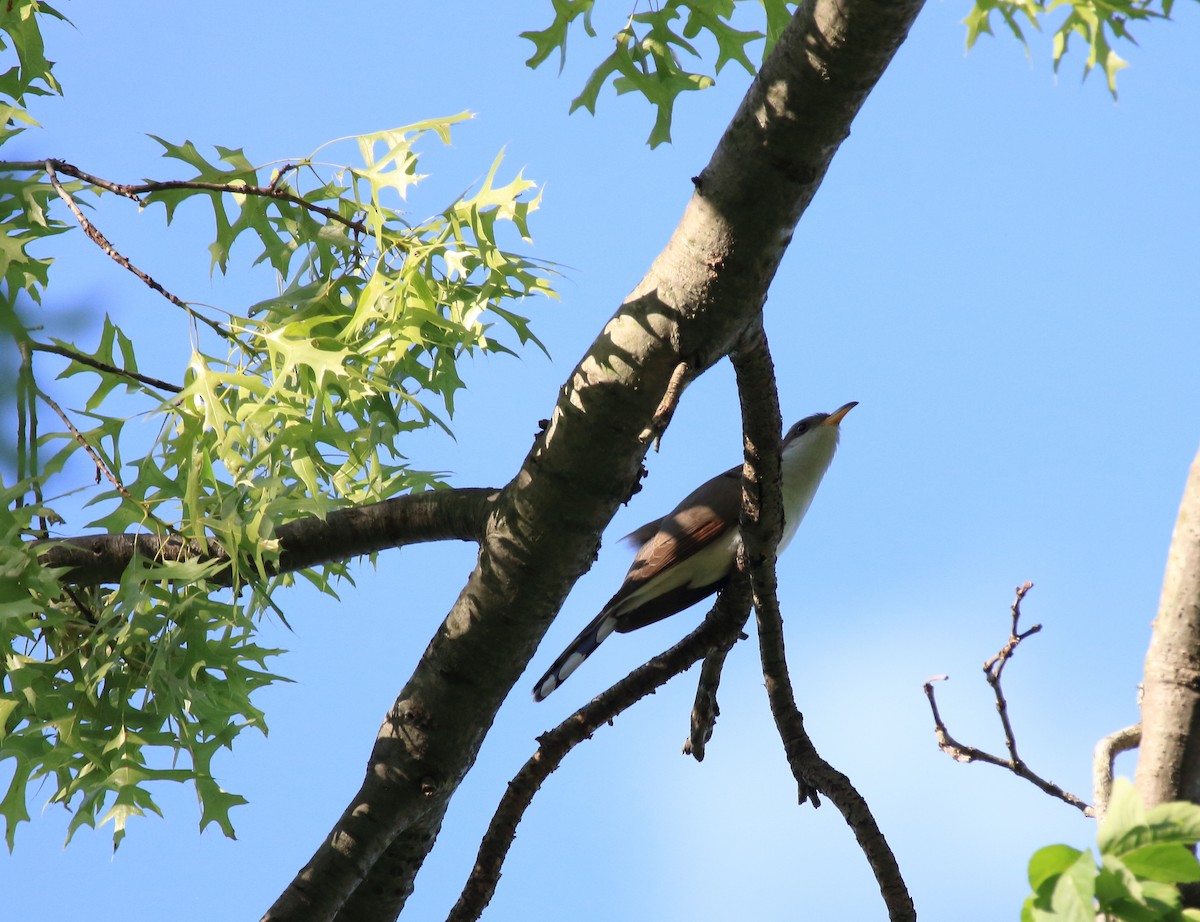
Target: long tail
577 651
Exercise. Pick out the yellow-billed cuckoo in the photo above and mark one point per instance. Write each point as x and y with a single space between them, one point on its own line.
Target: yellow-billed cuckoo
690 553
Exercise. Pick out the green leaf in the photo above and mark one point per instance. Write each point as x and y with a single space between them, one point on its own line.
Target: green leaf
1169 864
1124 819
1075 890
555 35
1094 22
1049 862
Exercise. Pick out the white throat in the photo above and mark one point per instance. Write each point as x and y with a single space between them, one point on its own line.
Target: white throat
805 461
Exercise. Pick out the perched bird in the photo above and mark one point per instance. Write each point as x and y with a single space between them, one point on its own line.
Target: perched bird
689 553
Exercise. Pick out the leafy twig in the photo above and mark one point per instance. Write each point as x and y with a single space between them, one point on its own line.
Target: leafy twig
104 366
133 191
993 668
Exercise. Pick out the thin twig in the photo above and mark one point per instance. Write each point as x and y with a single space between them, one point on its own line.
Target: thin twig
101 466
993 668
724 622
27 431
1103 757
94 234
104 366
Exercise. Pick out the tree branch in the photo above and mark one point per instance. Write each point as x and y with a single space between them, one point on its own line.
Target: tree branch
720 628
432 515
993 668
101 466
762 524
666 407
705 710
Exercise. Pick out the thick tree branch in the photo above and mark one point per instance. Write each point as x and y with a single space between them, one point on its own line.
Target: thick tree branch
993 669
720 629
1169 756
693 304
433 515
762 524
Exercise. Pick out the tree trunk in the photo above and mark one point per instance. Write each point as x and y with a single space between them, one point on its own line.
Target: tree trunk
1169 757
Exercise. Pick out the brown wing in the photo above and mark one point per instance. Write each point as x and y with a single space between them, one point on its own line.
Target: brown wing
704 515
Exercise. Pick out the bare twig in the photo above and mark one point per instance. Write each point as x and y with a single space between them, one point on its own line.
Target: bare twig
762 521
94 234
666 407
722 626
1103 757
993 668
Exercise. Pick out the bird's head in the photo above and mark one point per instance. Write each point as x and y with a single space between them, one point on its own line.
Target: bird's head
820 427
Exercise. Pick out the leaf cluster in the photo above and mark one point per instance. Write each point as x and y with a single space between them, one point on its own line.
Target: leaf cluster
1144 856
290 407
32 74
1097 23
105 691
646 51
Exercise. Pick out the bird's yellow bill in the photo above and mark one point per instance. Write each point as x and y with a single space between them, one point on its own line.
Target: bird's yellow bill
837 415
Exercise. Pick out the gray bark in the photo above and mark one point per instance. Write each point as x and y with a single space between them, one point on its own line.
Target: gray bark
1169 756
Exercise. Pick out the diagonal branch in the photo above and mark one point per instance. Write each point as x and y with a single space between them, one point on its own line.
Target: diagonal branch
101 466
720 628
91 362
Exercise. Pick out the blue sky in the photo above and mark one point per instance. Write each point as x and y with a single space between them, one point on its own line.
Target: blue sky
1001 267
